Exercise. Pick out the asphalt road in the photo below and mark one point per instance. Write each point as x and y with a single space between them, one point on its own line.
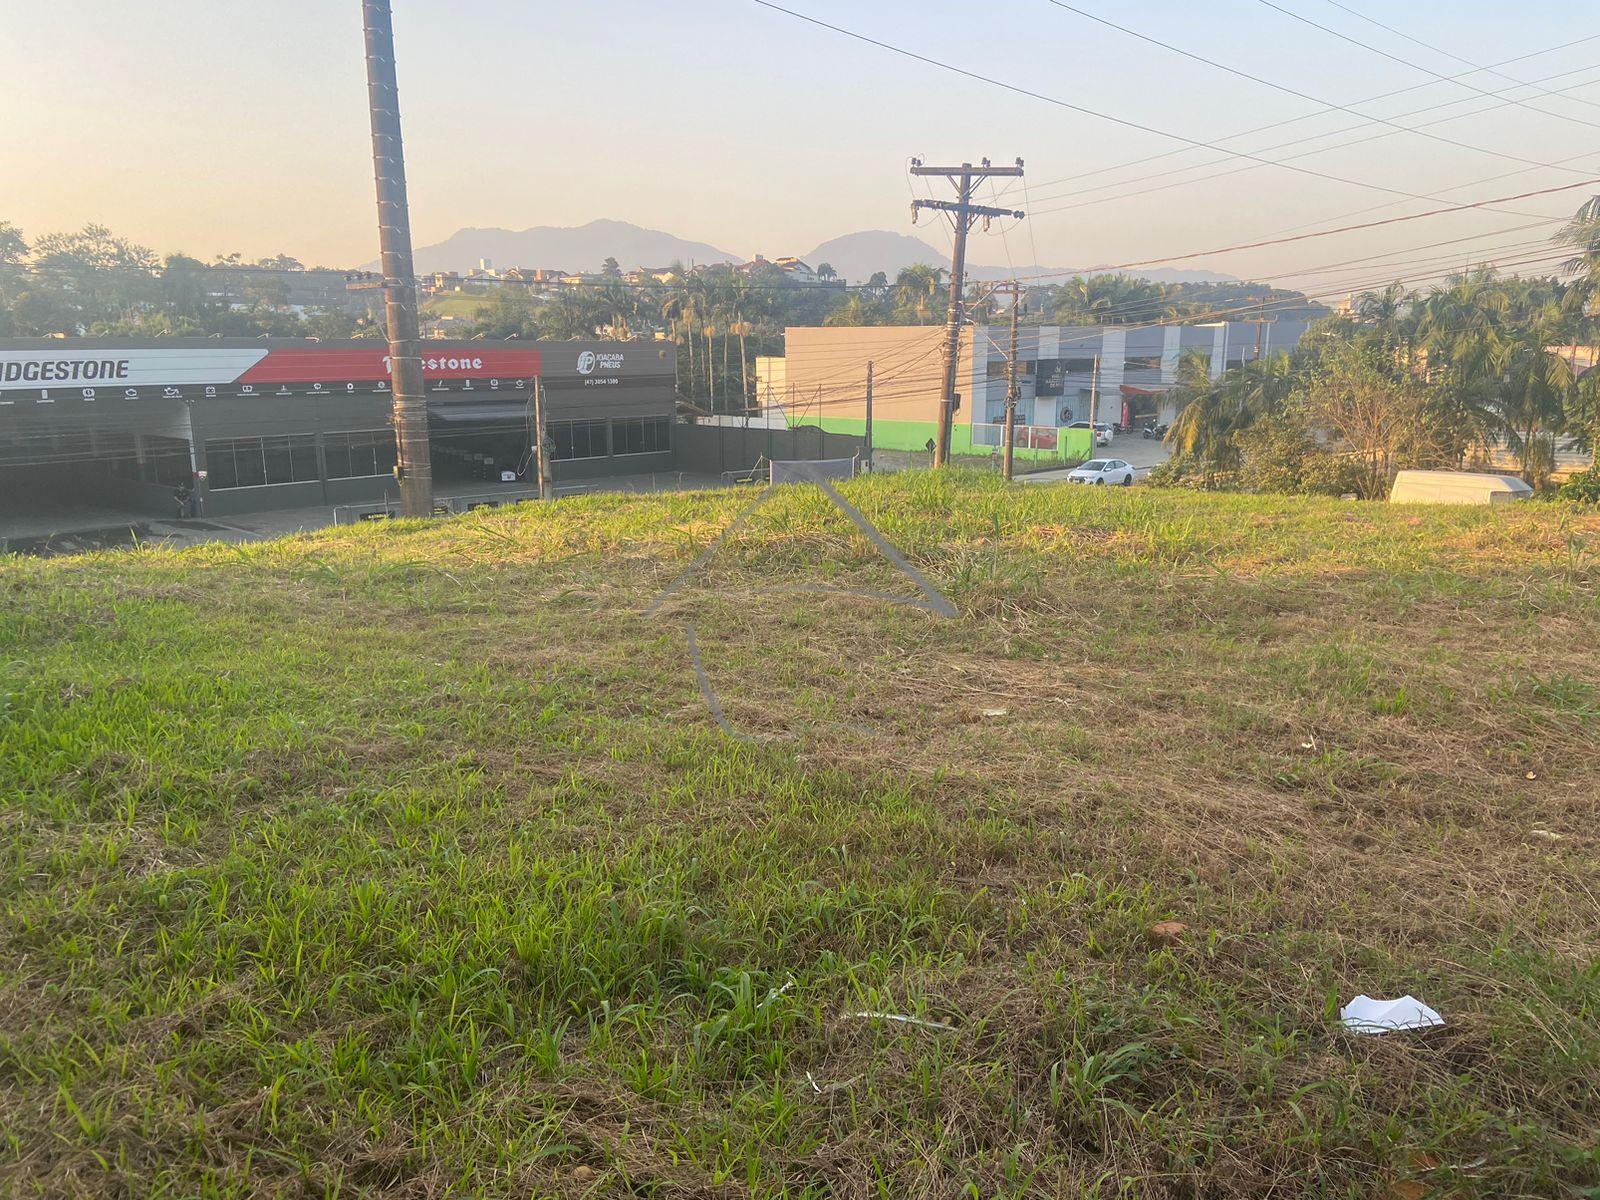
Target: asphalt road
1140 453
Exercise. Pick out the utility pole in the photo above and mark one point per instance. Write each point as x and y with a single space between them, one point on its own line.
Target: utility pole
869 417
413 466
1261 321
1013 385
1095 405
962 213
541 455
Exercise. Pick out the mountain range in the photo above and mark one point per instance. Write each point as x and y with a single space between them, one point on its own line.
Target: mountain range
576 248
854 256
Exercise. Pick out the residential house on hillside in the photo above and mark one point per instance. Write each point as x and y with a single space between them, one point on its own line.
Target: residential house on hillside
536 279
642 275
795 271
440 283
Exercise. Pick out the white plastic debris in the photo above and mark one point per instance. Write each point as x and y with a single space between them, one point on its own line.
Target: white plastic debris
996 712
1366 1015
901 1018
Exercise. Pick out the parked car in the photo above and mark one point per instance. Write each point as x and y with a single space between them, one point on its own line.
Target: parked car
1102 431
1103 470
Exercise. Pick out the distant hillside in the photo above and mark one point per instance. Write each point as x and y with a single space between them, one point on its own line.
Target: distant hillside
1061 274
581 248
857 255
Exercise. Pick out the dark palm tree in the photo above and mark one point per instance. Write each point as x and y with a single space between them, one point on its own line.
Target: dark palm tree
918 290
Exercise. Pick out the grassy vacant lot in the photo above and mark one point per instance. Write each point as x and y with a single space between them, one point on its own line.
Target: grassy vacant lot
410 860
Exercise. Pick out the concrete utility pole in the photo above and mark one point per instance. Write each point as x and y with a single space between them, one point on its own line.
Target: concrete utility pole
414 466
962 213
1094 404
869 417
1013 385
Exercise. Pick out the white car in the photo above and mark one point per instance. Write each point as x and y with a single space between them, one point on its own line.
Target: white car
1103 470
1102 431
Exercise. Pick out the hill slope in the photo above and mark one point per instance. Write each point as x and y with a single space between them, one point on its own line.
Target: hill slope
578 248
398 860
857 255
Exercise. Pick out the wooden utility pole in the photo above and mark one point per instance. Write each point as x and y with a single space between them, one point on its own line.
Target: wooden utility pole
962 213
1260 321
413 463
541 444
1013 383
869 417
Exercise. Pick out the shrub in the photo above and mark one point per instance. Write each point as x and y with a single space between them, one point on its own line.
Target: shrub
1325 474
1273 453
1583 488
1174 473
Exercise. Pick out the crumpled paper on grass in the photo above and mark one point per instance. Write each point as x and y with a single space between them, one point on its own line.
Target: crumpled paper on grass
1366 1015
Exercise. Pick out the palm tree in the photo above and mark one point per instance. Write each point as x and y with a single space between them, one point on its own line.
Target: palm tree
1110 300
917 290
675 310
1460 328
826 272
1582 234
570 313
621 303
1537 381
1214 413
748 298
859 308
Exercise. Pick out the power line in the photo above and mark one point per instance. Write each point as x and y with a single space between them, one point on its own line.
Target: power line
1480 204
1361 16
1078 108
1405 62
1389 95
1278 146
1326 104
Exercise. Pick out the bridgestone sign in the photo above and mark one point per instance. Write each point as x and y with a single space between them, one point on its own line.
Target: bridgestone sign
211 372
68 370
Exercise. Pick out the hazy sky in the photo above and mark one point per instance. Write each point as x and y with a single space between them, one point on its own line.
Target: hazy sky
214 125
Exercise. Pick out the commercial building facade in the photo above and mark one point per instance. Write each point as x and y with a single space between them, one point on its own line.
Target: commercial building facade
252 425
1115 374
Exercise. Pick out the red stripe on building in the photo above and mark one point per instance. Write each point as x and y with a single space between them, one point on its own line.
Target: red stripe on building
354 366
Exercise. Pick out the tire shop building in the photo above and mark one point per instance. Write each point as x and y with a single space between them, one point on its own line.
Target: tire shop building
253 425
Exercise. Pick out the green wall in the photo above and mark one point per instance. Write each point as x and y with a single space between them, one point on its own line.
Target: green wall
1076 445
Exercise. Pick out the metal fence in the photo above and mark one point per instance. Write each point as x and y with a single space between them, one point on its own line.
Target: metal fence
811 470
719 449
1029 437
